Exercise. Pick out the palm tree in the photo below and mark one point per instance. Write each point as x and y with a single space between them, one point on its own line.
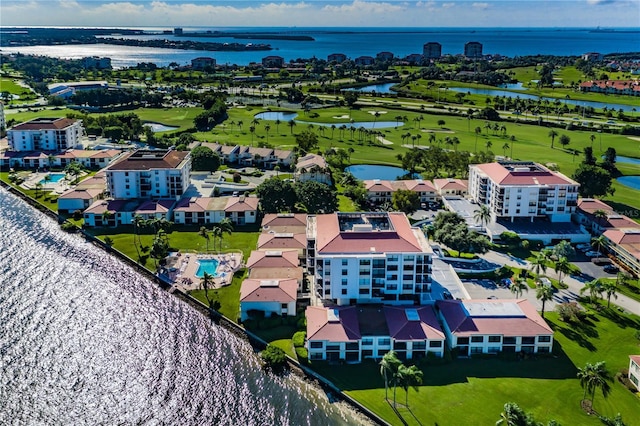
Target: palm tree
207 282
252 130
610 288
562 266
592 138
477 131
409 377
226 227
544 293
38 188
518 286
594 288
291 125
552 135
599 242
388 367
137 223
592 377
505 147
204 233
216 232
277 125
488 144
482 215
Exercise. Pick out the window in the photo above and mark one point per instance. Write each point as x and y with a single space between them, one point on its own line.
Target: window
345 272
367 342
528 340
345 262
494 339
316 345
509 341
544 339
463 340
352 346
384 342
400 345
367 353
477 339
344 291
476 349
315 355
363 292
435 344
365 262
493 349
284 306
344 281
543 350
333 347
417 346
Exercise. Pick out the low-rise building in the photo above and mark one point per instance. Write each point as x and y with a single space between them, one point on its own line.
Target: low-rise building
270 297
78 199
364 60
381 191
451 187
492 326
354 333
242 210
155 209
432 50
207 210
384 56
293 223
617 87
96 62
45 134
313 167
110 213
273 61
337 57
473 50
625 245
273 259
634 370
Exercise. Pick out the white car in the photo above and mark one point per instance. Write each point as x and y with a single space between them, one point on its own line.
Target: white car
592 253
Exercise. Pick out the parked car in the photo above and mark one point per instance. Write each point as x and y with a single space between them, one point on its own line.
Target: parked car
601 261
584 247
611 269
592 253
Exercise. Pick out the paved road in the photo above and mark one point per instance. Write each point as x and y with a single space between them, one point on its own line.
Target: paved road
574 284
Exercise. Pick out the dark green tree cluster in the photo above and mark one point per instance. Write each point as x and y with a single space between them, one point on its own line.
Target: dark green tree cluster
595 179
116 126
108 97
395 373
207 119
451 230
204 159
438 162
513 415
278 195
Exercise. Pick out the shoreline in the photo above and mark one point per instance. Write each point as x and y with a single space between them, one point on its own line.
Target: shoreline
294 367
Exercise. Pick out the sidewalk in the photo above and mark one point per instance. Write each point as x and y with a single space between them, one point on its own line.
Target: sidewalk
566 295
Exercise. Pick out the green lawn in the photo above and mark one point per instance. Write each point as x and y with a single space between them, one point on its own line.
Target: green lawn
474 391
228 297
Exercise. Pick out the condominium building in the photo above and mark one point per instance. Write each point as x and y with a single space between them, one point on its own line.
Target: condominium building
491 326
373 257
523 190
381 191
432 50
45 134
624 243
149 174
473 49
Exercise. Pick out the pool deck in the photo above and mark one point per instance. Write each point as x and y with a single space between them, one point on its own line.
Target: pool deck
187 264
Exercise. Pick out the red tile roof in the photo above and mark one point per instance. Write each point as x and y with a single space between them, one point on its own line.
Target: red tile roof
81 194
497 317
273 259
242 204
613 84
623 236
45 124
147 160
339 325
155 206
282 291
451 184
400 239
425 327
499 174
591 205
282 241
635 358
284 219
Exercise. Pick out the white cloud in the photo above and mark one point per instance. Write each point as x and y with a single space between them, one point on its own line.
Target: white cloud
480 5
448 5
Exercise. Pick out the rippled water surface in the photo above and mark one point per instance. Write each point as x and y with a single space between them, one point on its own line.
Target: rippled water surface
86 340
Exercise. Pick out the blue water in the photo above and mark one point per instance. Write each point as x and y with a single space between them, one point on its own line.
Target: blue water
355 42
370 171
378 88
210 266
630 181
55 178
627 160
276 115
504 93
358 124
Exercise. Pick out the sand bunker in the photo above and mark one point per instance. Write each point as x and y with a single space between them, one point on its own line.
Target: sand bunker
634 138
384 141
436 131
340 117
379 112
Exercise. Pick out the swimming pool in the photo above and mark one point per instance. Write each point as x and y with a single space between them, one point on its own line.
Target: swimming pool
55 178
210 266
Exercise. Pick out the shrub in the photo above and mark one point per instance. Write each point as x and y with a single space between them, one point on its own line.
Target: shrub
302 353
255 313
570 312
68 226
298 339
236 177
273 357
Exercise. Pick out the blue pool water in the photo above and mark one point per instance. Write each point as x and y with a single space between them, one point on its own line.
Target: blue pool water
370 171
627 160
630 181
378 88
55 178
209 266
157 127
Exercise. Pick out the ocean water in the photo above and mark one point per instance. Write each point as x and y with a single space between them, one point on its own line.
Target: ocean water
355 42
86 340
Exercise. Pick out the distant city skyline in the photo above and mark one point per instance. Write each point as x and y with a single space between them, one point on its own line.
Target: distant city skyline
321 13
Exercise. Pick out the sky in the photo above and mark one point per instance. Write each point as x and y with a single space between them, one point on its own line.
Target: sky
321 13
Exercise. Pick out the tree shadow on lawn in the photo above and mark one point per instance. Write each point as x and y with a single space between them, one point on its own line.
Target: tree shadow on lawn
621 320
576 336
367 374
